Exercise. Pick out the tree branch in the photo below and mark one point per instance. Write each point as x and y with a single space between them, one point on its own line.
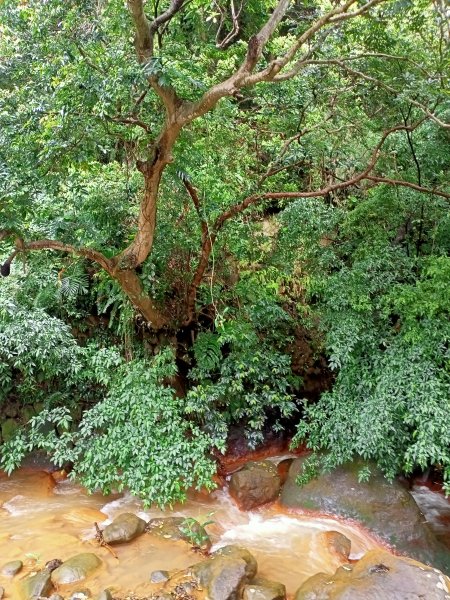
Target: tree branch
341 64
209 240
408 184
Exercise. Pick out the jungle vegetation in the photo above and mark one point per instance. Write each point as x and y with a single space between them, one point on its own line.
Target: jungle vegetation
202 202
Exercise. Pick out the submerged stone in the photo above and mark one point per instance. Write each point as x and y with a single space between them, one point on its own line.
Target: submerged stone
77 568
12 568
180 528
159 576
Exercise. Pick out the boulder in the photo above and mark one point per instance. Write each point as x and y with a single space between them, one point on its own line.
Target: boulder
124 528
238 552
264 589
225 573
255 484
180 528
76 569
378 576
11 568
386 509
34 586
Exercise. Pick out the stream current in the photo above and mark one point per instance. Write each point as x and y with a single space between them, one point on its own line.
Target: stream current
42 519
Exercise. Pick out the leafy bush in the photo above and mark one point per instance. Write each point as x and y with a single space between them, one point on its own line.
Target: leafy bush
239 378
386 317
138 438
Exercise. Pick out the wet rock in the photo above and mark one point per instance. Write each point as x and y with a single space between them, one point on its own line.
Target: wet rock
124 528
255 484
264 589
159 576
9 428
337 544
386 509
378 575
233 551
179 528
12 568
225 573
77 568
36 585
53 564
81 595
105 595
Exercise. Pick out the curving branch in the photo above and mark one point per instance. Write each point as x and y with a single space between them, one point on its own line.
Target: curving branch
366 174
128 280
341 63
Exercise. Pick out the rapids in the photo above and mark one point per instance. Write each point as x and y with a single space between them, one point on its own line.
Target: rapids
42 519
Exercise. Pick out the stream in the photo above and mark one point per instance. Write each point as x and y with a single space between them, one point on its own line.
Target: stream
43 519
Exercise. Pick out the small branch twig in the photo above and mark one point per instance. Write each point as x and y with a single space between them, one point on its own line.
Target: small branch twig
101 541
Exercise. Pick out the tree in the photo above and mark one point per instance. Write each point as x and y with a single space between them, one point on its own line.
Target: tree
287 42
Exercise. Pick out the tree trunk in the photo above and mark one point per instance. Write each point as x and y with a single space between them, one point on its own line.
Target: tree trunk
132 287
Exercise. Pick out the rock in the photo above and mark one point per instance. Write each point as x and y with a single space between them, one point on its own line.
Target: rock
12 568
225 573
36 585
53 564
378 576
255 484
386 509
27 413
159 576
124 528
11 410
233 551
105 595
337 544
77 568
264 589
81 595
9 428
180 528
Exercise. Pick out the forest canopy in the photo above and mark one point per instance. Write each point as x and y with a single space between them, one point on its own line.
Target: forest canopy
223 213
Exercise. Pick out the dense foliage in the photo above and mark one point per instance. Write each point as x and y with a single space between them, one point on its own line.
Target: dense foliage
190 227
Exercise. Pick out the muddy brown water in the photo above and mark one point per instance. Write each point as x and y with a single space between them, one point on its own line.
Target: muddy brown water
42 519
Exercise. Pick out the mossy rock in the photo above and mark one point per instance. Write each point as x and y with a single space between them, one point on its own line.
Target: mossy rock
264 589
385 508
124 528
257 483
11 568
9 429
